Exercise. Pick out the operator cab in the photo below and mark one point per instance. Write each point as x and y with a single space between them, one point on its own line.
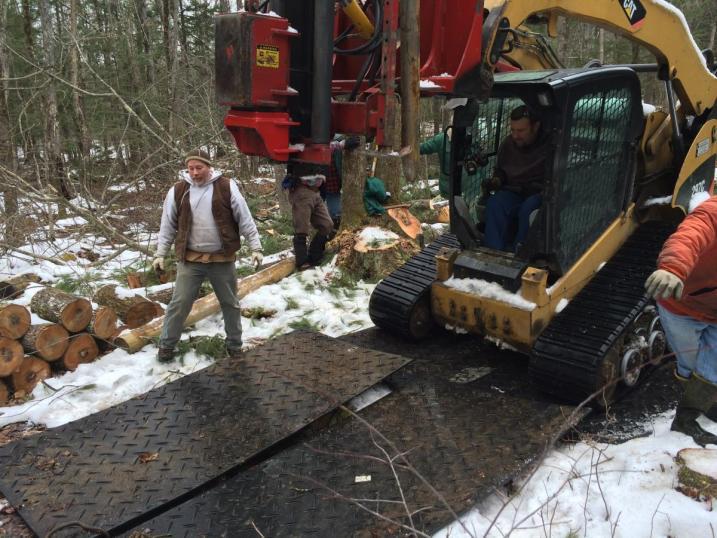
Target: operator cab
593 120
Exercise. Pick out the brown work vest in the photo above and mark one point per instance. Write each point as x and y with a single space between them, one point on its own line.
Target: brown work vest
221 211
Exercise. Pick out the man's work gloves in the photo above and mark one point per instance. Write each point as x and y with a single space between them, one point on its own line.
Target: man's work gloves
256 259
664 285
158 264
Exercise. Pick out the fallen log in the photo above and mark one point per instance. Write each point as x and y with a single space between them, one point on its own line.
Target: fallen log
82 349
133 340
134 311
104 323
10 355
26 376
14 321
46 340
72 312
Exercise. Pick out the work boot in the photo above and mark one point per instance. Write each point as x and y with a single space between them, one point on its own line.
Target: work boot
316 249
698 398
165 354
234 352
709 405
301 254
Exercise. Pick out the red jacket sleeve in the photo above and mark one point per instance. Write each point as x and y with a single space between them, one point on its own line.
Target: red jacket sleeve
696 234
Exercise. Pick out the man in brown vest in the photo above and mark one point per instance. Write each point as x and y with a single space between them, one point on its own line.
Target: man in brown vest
204 215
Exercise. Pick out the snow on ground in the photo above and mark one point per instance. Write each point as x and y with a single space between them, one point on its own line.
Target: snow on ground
625 490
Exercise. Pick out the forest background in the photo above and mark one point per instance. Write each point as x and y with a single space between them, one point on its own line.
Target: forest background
106 93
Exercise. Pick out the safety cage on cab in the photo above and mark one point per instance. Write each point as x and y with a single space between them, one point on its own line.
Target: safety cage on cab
593 119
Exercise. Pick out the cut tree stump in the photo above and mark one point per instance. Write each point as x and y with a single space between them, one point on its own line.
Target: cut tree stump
104 323
72 312
14 321
698 472
134 311
133 340
26 376
9 359
46 340
4 392
82 349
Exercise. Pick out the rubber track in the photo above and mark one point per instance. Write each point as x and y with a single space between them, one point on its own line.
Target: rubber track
394 298
567 357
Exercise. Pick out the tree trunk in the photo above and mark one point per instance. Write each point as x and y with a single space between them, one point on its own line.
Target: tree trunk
132 341
389 164
282 195
4 392
72 312
10 355
46 340
26 376
77 108
82 349
54 165
104 323
14 321
134 311
410 85
353 176
7 145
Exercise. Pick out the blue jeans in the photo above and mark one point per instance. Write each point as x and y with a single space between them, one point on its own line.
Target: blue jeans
693 342
333 202
502 209
190 275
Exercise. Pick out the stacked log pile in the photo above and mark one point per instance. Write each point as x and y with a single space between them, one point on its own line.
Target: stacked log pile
72 333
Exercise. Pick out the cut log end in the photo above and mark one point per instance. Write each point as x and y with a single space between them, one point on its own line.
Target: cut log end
82 349
26 377
48 341
142 313
76 316
9 360
14 321
104 323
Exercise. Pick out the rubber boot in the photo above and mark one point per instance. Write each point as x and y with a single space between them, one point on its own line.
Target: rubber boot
709 405
301 254
316 249
695 400
165 354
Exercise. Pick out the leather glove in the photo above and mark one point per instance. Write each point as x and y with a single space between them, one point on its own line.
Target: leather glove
256 259
158 263
663 285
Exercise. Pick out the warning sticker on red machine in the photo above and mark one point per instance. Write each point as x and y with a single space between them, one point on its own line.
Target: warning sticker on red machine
267 56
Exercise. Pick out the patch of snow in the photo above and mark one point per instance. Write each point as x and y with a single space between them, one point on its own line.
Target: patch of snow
429 84
647 108
625 490
661 200
71 221
297 147
701 461
372 234
455 329
489 290
293 30
686 27
562 303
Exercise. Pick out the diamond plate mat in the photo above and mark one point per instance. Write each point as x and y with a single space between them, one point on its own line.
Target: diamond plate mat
464 414
117 465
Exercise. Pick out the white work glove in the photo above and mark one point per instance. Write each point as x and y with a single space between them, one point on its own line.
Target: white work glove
663 285
158 263
256 259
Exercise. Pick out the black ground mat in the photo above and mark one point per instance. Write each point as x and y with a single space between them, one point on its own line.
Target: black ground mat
122 463
463 413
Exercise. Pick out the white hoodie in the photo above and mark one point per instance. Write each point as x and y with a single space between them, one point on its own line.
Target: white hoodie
204 234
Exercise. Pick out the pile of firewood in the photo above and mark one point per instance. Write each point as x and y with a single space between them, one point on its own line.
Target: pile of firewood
72 333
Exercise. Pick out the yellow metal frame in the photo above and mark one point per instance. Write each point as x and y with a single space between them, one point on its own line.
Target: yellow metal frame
354 12
707 137
664 33
520 328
